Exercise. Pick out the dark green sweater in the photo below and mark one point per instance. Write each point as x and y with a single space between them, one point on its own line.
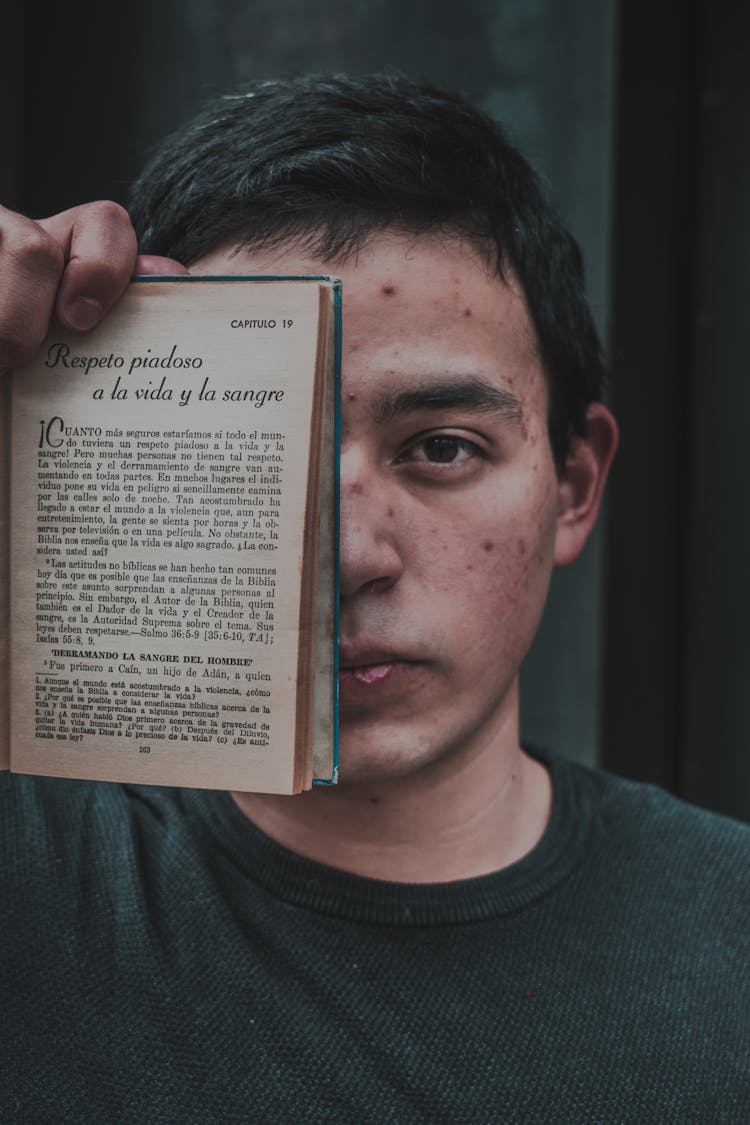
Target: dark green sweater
163 961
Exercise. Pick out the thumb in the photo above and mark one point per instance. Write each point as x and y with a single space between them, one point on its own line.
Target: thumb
148 265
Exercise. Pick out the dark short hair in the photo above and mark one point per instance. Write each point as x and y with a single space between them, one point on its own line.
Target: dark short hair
333 160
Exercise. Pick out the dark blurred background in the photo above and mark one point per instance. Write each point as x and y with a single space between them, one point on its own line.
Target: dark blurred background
637 114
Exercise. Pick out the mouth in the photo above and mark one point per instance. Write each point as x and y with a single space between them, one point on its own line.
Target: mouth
371 667
366 673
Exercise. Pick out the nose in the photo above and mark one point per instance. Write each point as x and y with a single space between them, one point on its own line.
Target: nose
370 558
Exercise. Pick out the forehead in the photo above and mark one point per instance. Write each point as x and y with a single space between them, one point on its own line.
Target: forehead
417 307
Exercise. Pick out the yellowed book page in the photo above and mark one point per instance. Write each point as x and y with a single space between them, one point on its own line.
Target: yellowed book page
4 569
158 495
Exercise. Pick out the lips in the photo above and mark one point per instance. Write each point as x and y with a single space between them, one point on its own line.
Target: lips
367 673
370 673
370 666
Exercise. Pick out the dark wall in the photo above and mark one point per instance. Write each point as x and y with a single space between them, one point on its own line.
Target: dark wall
677 626
716 700
11 58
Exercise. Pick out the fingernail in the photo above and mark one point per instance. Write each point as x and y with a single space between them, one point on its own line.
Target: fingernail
84 312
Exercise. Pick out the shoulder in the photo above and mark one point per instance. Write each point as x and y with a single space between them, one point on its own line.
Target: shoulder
649 819
656 856
57 823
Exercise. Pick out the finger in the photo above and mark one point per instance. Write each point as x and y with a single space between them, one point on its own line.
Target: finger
99 244
149 265
31 263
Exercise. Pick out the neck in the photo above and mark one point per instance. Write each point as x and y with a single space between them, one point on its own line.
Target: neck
466 815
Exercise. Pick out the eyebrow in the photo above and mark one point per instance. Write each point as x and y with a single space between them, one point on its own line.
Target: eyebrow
469 392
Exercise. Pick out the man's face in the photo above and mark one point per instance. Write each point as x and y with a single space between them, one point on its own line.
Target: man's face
449 498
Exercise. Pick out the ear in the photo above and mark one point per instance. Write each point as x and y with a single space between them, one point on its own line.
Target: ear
581 483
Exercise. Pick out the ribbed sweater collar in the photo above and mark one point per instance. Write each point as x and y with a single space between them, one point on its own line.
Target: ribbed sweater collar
326 890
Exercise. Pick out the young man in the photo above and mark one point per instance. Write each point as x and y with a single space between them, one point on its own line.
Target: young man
461 930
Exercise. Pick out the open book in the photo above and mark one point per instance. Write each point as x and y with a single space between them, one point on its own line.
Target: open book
172 526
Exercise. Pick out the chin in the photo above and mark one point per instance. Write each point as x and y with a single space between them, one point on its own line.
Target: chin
360 764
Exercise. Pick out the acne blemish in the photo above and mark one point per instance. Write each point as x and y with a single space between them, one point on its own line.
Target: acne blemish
388 290
356 488
467 312
351 396
488 545
374 800
390 513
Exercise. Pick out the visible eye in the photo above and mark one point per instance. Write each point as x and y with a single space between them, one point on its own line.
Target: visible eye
440 449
